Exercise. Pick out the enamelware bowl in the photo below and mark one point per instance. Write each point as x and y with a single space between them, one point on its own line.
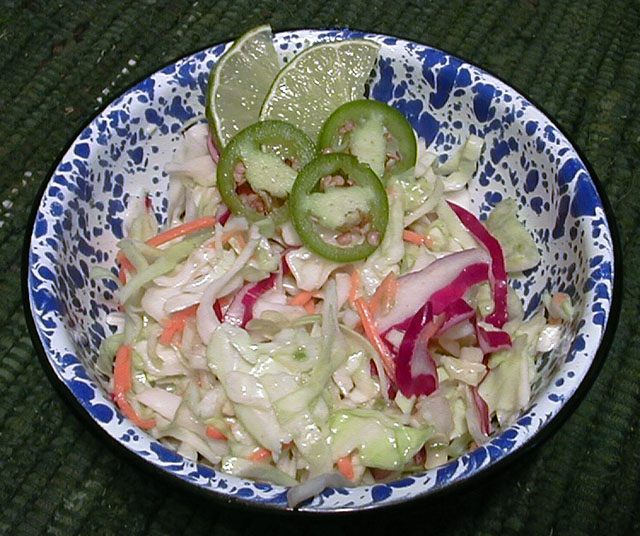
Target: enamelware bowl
78 219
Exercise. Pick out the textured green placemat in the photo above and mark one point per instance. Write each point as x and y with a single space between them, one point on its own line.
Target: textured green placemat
61 61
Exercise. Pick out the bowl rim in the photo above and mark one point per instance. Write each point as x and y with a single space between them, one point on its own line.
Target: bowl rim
465 482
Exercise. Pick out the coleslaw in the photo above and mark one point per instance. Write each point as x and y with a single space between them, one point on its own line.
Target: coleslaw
243 344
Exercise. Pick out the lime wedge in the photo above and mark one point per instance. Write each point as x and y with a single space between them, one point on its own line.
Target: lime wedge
239 82
318 80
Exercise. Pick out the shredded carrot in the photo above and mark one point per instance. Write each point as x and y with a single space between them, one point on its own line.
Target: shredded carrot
237 235
259 454
302 298
371 331
414 238
305 299
355 283
181 230
224 301
122 370
122 385
214 433
417 239
176 324
162 238
125 266
385 295
345 466
310 307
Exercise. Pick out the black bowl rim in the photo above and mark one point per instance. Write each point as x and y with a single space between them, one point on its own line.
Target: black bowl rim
540 436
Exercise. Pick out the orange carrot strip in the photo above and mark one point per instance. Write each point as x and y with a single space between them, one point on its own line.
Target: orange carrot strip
122 370
122 385
355 283
237 235
259 454
310 307
131 414
385 295
302 298
371 331
181 230
214 433
176 324
345 466
166 236
414 238
125 266
417 239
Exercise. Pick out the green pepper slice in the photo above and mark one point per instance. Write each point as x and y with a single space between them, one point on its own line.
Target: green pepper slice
258 166
376 133
335 196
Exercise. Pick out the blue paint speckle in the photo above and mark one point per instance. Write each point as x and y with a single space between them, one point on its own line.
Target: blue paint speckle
445 473
444 83
382 91
136 155
380 492
536 204
585 200
82 150
101 412
81 390
563 209
531 181
164 454
499 151
482 101
568 171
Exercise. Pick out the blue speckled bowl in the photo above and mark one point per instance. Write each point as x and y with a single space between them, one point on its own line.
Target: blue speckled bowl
78 220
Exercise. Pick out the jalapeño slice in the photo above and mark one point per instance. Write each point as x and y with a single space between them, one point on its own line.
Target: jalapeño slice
339 207
258 166
376 133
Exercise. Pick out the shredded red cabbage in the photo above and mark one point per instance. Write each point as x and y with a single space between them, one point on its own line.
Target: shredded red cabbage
416 288
252 295
224 216
217 309
416 372
457 312
240 310
235 312
483 411
498 272
469 276
415 368
491 340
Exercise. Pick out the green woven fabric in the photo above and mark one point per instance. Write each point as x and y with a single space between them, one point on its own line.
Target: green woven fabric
61 61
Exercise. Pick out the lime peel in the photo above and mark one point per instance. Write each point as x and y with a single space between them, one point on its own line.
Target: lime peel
239 82
318 80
